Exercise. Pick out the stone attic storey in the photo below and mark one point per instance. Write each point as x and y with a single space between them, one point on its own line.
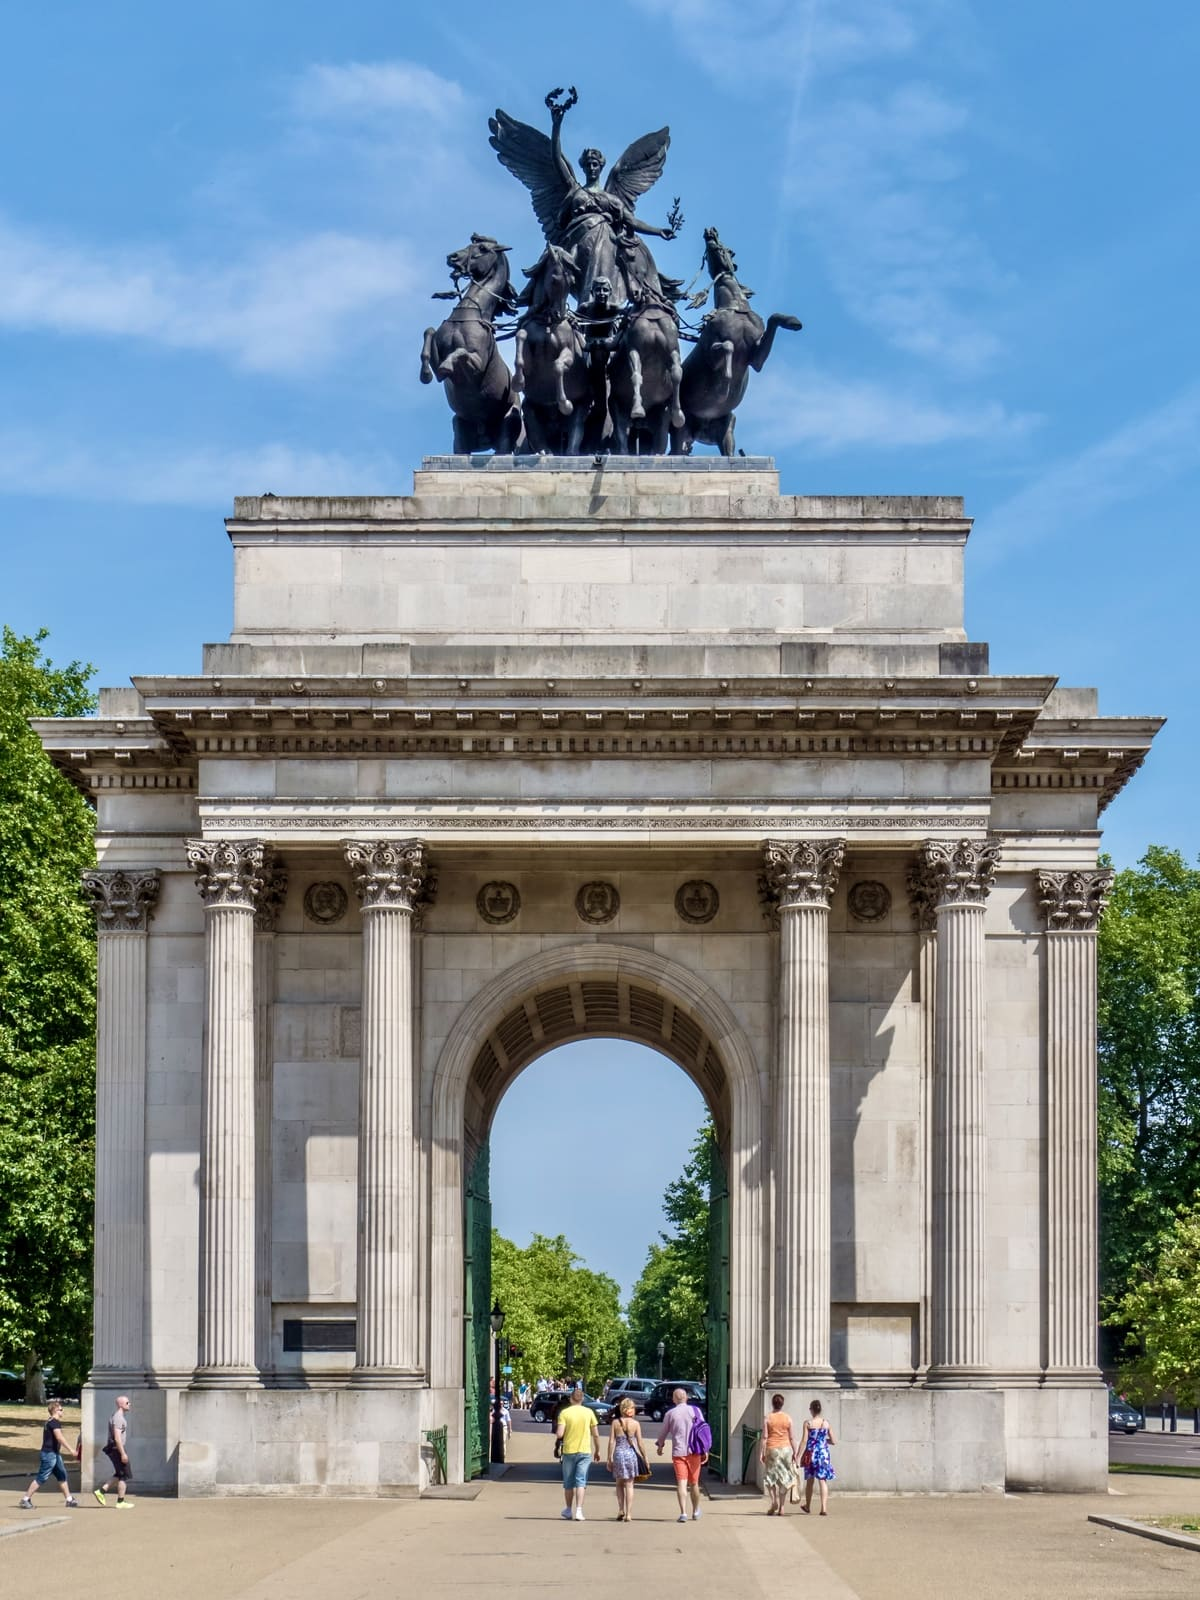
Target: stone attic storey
642 749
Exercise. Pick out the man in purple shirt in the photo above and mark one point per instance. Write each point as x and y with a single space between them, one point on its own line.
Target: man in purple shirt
677 1426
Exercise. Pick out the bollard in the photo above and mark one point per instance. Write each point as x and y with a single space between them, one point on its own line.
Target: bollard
1174 1409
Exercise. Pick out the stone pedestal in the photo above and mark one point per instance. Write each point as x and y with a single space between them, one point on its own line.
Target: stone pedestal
230 878
959 875
393 882
1071 903
799 878
124 903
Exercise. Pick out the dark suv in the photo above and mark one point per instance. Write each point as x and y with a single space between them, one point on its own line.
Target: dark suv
659 1401
550 1402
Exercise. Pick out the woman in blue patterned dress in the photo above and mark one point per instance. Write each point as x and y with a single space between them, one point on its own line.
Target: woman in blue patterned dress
814 1457
626 1456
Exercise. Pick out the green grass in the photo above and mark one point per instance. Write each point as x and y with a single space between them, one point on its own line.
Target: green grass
1152 1469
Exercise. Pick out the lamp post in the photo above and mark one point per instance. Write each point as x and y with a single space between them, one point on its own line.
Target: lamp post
662 1350
497 1451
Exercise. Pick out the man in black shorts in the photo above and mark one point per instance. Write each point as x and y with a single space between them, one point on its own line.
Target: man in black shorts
117 1452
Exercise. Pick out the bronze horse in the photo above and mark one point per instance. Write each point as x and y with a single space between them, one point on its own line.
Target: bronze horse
732 340
463 354
645 374
551 371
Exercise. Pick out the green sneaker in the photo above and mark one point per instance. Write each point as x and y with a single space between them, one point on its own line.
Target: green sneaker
99 1494
124 1505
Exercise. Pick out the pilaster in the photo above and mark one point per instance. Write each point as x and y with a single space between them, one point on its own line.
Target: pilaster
799 878
957 876
231 877
124 903
266 916
1071 903
394 884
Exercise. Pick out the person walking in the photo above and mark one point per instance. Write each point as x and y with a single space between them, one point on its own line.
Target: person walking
677 1426
778 1453
51 1465
814 1457
579 1431
117 1452
626 1456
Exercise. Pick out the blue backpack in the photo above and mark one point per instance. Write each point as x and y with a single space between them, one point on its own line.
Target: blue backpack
700 1438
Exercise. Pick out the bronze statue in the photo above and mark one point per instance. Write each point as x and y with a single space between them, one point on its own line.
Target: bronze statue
551 370
463 353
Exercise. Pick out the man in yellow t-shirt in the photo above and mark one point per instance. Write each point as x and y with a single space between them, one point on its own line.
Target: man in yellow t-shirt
576 1426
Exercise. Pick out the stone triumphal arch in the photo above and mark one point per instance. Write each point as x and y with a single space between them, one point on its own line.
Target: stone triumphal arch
634 747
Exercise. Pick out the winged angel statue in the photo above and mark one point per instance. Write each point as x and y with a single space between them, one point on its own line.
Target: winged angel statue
597 224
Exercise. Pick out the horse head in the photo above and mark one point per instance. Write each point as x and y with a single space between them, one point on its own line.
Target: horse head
553 276
484 265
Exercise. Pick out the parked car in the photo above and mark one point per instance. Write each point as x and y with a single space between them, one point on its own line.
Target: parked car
12 1385
659 1401
636 1389
1122 1418
548 1404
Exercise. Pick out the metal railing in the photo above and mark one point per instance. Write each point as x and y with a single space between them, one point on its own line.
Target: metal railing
750 1438
436 1438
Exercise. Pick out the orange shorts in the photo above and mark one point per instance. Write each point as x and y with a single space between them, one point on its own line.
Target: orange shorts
687 1468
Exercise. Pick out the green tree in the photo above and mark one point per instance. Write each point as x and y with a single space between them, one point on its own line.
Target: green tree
1149 1061
670 1298
1160 1313
547 1293
47 1025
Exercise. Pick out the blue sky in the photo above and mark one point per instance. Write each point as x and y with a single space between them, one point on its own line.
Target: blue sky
220 225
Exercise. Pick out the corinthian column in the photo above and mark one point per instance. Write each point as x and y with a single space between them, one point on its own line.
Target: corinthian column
393 884
1071 904
124 903
958 875
230 878
270 904
799 878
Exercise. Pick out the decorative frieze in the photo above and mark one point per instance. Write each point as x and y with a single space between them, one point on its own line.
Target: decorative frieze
1071 902
124 902
391 874
229 872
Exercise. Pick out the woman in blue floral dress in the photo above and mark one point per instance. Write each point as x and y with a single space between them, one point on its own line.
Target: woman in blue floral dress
814 1457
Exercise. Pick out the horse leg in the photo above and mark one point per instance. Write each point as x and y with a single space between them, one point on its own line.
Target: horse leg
637 410
775 321
727 448
471 360
518 377
535 434
574 442
563 363
659 432
427 355
464 437
677 417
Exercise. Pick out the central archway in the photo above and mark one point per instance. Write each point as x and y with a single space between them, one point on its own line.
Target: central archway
616 991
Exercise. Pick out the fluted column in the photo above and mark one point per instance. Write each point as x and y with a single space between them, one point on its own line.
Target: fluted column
123 902
393 883
799 878
959 874
230 878
1071 904
923 900
265 917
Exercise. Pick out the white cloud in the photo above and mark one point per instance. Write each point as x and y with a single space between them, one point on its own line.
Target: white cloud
285 308
146 474
828 414
1144 455
358 89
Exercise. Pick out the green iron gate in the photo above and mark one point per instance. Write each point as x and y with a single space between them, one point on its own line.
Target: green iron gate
477 1305
717 1315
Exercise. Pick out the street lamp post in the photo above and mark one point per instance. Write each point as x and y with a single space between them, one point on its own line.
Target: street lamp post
662 1350
497 1451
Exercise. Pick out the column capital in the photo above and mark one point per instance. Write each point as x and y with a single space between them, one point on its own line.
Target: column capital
229 872
799 872
956 871
922 886
1071 902
123 902
271 896
391 874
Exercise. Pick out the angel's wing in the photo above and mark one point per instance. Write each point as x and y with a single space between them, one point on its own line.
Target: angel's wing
640 167
529 155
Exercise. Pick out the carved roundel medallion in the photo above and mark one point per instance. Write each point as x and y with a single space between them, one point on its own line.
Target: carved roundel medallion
498 902
325 903
869 901
597 902
697 901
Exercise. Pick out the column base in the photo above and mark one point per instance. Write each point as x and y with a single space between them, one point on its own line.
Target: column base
814 1374
117 1377
1073 1378
226 1378
945 1377
387 1378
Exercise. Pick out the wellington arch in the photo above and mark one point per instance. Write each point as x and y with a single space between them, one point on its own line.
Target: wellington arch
628 747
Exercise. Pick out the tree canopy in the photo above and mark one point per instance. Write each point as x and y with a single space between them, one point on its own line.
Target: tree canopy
47 1023
670 1298
546 1294
1160 1313
1149 1061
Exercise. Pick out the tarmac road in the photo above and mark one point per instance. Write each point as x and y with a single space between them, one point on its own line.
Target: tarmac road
1174 1449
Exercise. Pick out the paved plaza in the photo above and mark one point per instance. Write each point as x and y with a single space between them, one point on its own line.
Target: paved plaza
508 1541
